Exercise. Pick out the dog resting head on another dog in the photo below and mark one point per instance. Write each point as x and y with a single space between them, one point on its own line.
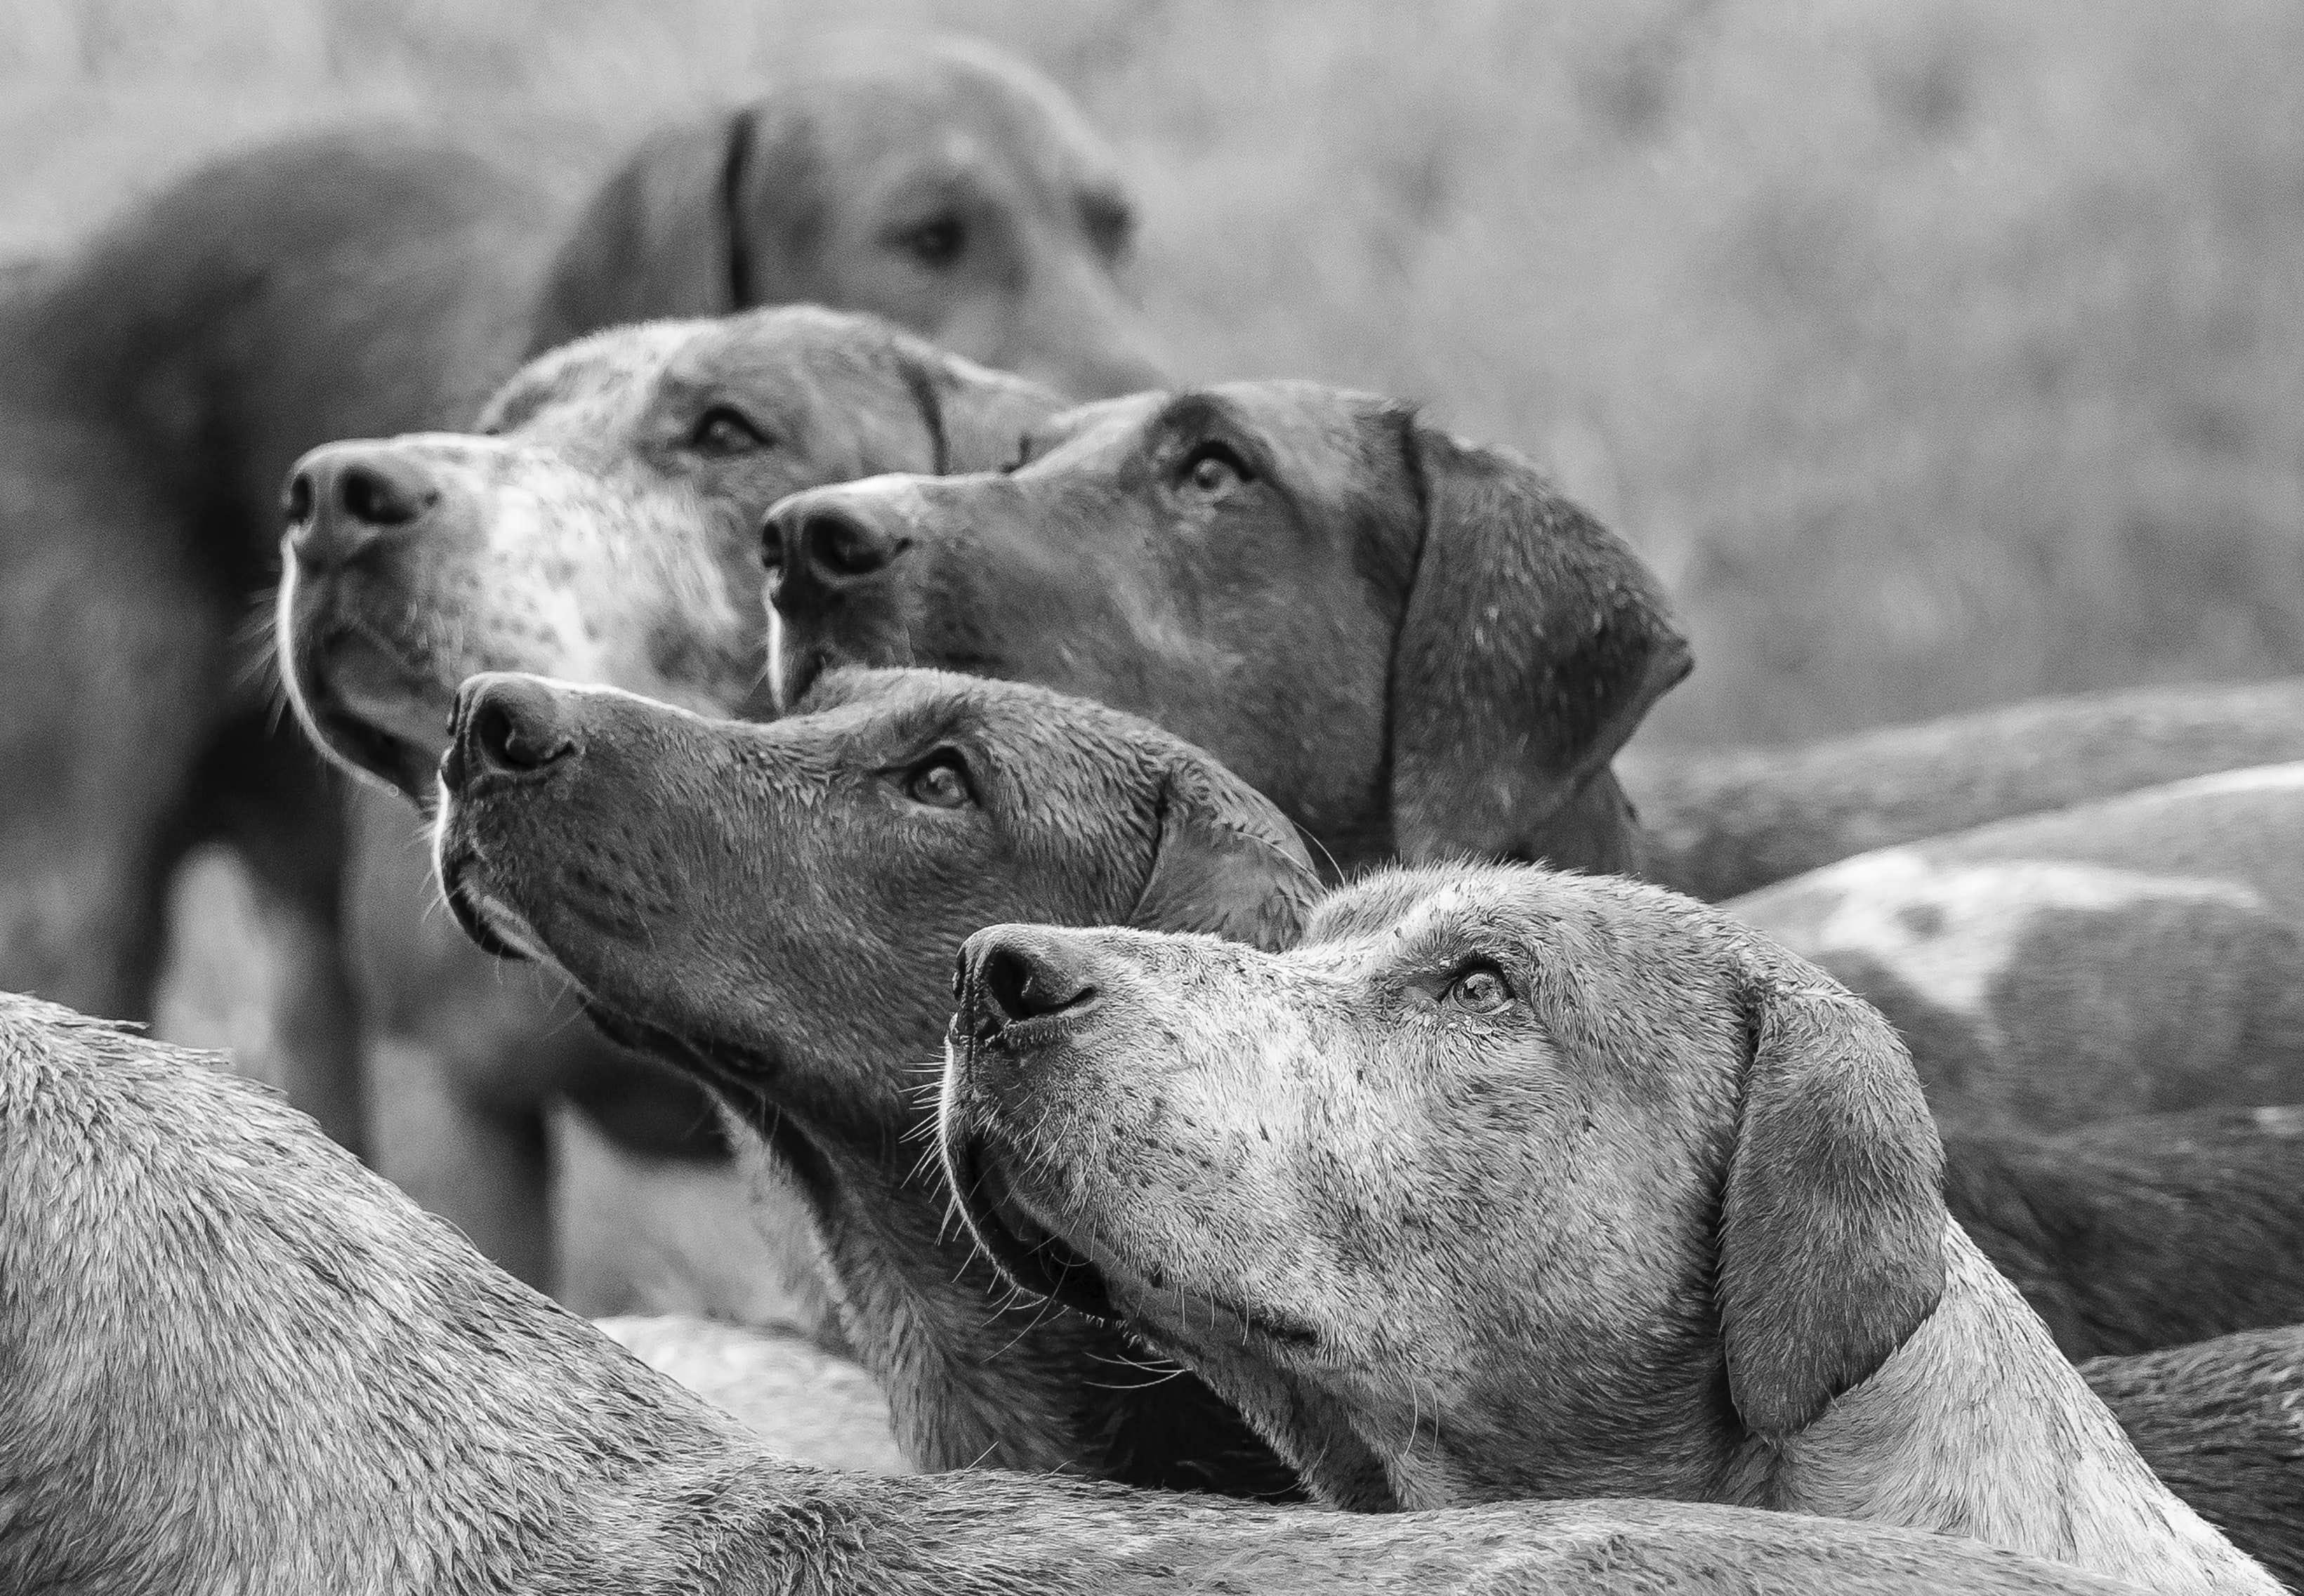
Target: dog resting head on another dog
234 1360
1504 1182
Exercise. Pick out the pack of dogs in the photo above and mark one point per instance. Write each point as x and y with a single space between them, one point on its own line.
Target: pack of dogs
1142 892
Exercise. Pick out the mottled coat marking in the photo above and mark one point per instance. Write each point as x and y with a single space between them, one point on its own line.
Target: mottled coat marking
2141 954
1506 1183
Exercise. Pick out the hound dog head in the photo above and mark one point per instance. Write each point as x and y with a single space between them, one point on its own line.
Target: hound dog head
787 898
941 184
1412 644
774 910
603 529
1502 1183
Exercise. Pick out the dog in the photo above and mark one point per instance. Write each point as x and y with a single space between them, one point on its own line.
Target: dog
1412 644
602 529
2223 1422
2145 1232
2137 955
234 1360
1721 823
1270 566
807 1403
1504 1182
156 386
692 943
773 908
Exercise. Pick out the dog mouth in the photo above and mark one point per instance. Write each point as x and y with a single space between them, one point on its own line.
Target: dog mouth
495 926
739 1072
1029 1253
373 708
799 668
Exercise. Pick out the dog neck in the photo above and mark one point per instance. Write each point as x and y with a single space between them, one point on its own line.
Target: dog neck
978 1377
1978 1426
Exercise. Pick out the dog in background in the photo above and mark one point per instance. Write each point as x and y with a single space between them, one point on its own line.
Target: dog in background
2144 953
155 385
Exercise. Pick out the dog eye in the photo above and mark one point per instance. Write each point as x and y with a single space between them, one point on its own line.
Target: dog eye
936 244
1213 469
941 783
1478 989
725 430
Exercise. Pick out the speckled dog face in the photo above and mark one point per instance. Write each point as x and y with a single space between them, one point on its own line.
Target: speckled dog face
1465 1110
1495 1163
604 529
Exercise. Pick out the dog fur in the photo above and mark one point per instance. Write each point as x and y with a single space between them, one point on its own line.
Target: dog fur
806 1402
769 908
236 1361
155 385
1412 644
602 529
1505 1184
1258 616
2223 1422
1722 822
695 949
2135 1234
2142 954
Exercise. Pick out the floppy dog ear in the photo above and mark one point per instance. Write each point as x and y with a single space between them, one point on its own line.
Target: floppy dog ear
1533 641
1226 862
976 415
1832 1220
664 237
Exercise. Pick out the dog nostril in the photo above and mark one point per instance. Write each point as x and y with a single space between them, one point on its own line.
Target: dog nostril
771 547
371 497
1022 988
296 503
506 743
844 548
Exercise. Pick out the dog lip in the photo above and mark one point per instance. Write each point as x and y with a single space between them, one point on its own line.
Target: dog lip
807 667
468 907
737 1071
1048 1267
368 706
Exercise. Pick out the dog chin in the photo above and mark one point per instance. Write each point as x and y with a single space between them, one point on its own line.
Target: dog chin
390 738
491 923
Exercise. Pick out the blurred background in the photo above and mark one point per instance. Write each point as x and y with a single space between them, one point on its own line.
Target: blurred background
1937 352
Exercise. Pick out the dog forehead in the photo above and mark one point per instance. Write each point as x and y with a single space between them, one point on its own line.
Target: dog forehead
1397 906
1023 727
593 377
991 114
773 348
1087 434
1314 432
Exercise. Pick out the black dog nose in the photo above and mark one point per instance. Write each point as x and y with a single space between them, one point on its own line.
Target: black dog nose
1016 973
510 725
343 498
816 547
